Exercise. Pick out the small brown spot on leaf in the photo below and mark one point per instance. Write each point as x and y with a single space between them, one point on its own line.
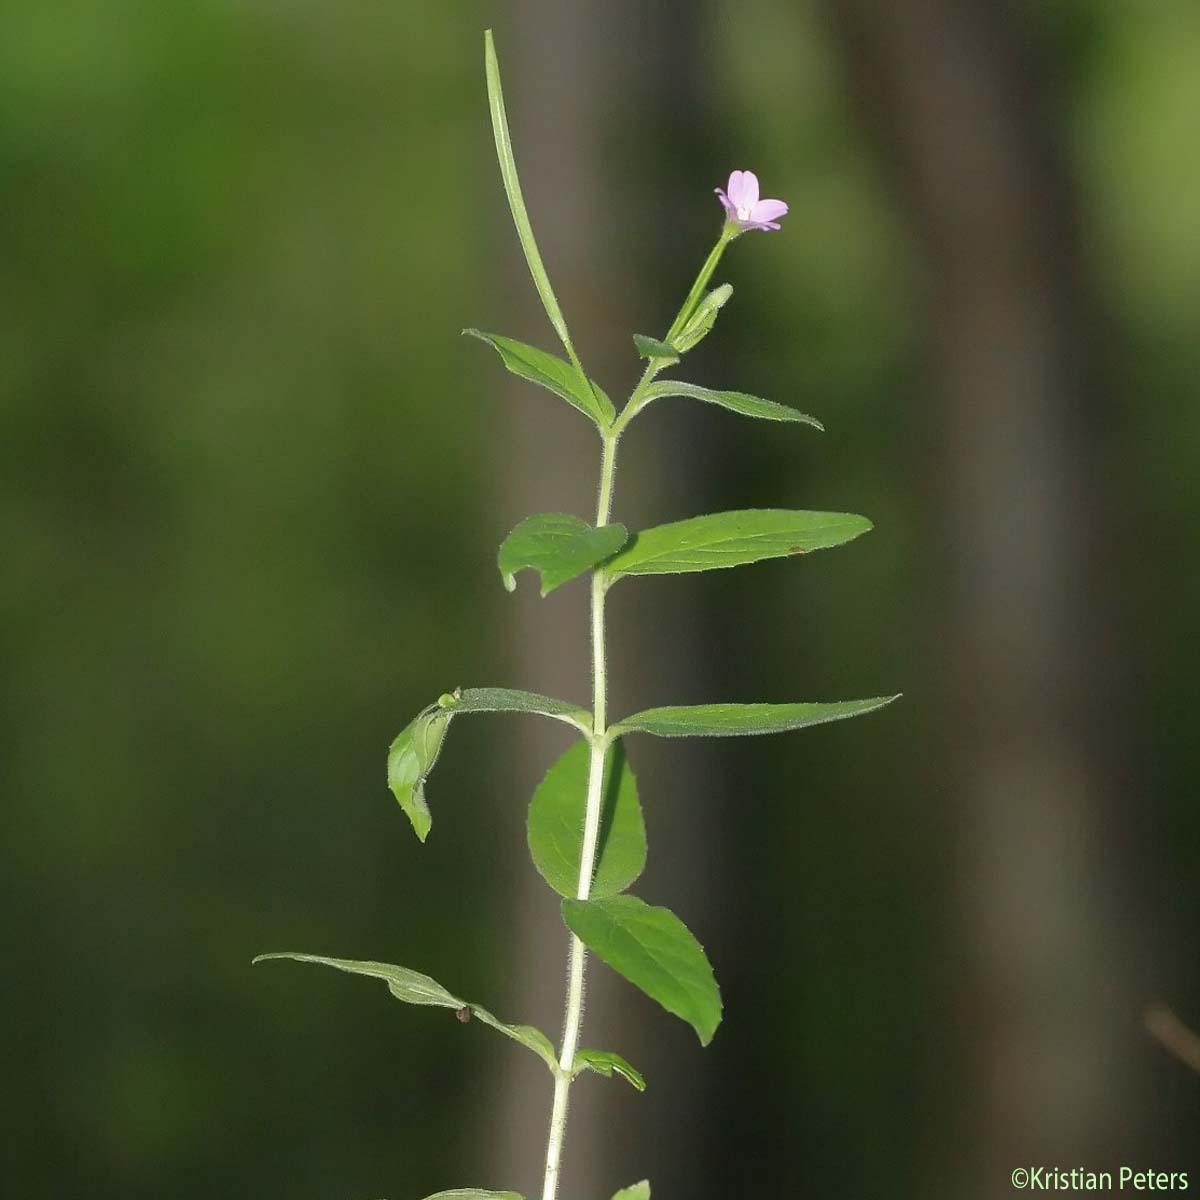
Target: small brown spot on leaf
464 1013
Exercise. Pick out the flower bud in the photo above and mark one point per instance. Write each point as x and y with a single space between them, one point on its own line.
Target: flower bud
703 319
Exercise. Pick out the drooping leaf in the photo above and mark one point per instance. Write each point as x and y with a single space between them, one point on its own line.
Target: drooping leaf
648 347
606 1063
480 700
738 402
556 818
414 988
474 1194
734 720
411 757
559 547
638 1191
730 539
415 750
552 373
654 950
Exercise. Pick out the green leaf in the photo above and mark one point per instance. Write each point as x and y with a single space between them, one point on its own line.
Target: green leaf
653 949
735 720
414 988
411 757
638 1191
415 750
556 818
520 216
730 539
648 347
738 402
550 372
474 1194
490 700
606 1063
559 547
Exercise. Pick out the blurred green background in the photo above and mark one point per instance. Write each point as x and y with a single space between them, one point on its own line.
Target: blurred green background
251 486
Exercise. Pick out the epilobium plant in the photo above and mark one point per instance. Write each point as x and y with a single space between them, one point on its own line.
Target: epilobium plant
585 828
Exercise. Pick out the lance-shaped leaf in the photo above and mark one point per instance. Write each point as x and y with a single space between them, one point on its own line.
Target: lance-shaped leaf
556 819
637 1191
512 189
475 1194
730 539
608 1064
648 347
654 950
520 216
736 720
559 547
738 402
552 373
415 750
414 988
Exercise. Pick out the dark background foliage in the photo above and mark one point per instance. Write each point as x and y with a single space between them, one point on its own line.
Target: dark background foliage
251 485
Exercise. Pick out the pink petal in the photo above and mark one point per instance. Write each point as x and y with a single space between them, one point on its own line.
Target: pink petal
746 195
730 207
767 211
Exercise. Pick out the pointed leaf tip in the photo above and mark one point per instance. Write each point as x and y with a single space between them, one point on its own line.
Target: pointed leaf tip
520 215
653 949
636 1191
415 750
414 988
738 402
411 757
737 720
606 1063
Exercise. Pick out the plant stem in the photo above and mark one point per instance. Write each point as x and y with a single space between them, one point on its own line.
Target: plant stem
728 232
577 960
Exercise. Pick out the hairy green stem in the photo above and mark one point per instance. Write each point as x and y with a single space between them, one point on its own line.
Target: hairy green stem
577 958
577 962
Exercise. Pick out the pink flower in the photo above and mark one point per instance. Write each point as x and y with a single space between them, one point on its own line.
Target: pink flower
744 208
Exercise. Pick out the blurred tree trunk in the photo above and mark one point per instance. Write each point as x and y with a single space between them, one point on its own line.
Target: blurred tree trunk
579 80
1026 754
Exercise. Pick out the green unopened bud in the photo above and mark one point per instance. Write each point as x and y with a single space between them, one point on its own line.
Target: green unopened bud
703 319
